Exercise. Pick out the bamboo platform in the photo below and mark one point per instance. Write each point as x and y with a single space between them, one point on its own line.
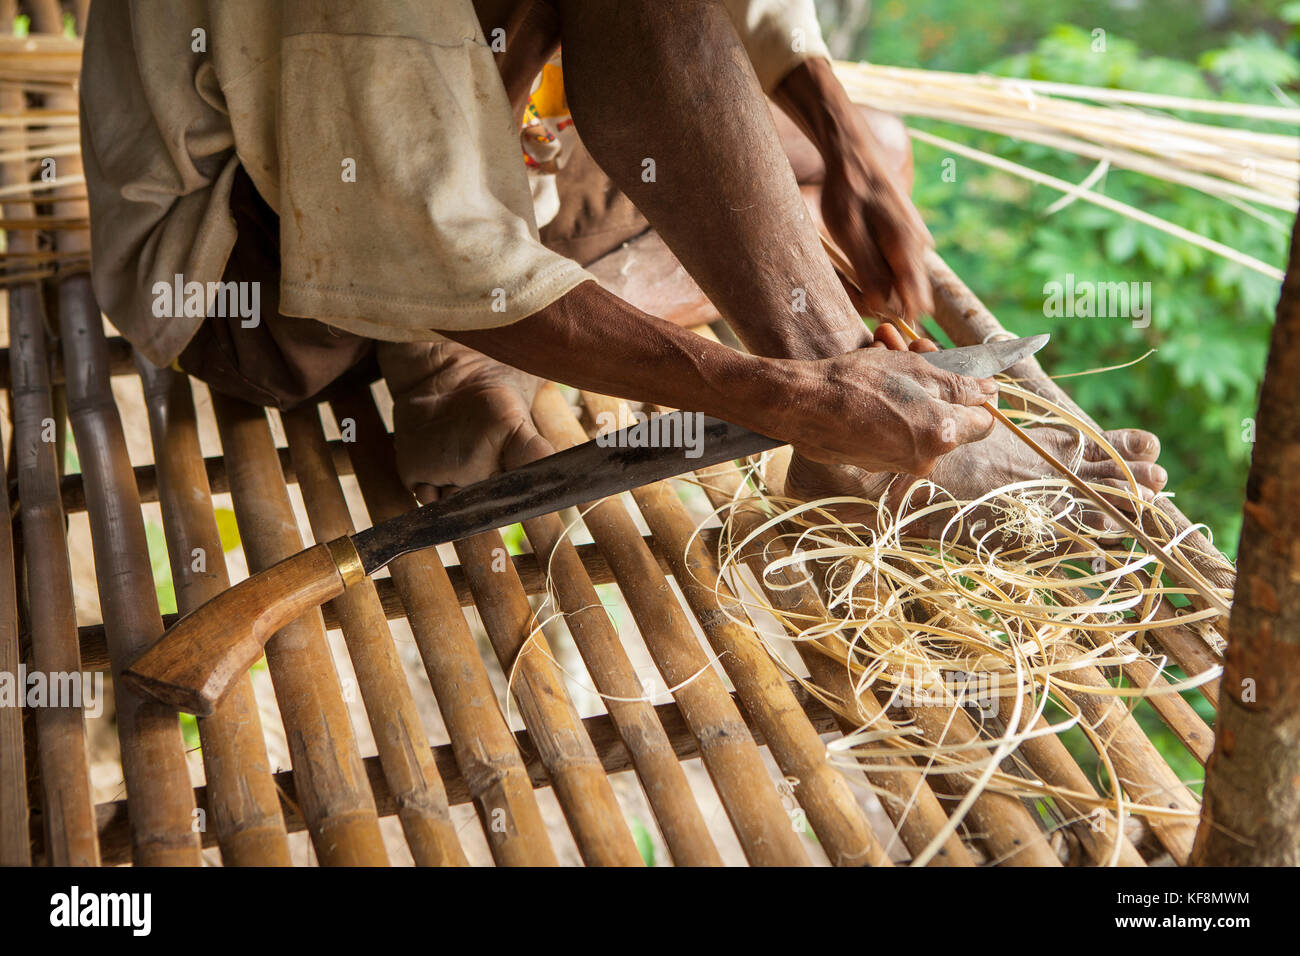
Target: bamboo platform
423 718
760 740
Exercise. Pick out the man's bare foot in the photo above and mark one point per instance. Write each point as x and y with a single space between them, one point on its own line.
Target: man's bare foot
459 416
973 470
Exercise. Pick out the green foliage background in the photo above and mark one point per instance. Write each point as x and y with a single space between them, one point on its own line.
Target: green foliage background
1211 318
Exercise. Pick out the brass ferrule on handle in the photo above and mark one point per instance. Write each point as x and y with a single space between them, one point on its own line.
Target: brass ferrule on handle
347 560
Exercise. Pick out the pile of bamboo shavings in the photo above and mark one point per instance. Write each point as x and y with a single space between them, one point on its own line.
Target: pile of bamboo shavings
1121 128
989 611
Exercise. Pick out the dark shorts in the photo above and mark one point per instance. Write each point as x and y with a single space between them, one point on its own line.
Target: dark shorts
284 360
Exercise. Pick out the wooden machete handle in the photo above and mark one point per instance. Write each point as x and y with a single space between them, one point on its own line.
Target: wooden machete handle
196 661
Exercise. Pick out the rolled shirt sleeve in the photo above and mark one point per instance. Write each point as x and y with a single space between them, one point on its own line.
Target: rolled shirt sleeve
778 35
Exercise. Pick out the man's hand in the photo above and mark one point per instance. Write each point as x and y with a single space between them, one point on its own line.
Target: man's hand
864 204
880 231
884 411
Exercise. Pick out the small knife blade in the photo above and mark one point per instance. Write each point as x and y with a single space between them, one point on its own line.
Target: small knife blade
613 463
983 361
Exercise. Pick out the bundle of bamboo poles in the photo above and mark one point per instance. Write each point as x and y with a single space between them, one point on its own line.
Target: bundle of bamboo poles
1117 128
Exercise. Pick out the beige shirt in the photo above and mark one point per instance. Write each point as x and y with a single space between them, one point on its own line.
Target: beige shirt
380 133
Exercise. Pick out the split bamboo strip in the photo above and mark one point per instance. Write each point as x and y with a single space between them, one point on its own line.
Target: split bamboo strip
53 58
729 751
15 839
580 784
333 792
821 790
905 795
241 800
1105 202
67 810
1277 114
485 750
153 751
399 736
662 777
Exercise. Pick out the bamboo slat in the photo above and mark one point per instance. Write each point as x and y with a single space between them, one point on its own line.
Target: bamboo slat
241 800
157 776
67 811
403 747
15 842
333 791
730 755
820 788
485 750
1143 772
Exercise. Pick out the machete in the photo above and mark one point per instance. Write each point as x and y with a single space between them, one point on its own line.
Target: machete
199 658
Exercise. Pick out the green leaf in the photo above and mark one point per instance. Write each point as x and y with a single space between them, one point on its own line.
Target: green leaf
644 842
227 529
162 571
1122 241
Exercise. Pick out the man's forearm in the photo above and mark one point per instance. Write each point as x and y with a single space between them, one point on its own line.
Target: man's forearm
591 339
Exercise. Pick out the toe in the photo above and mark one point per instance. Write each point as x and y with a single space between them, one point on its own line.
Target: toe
1133 444
1150 476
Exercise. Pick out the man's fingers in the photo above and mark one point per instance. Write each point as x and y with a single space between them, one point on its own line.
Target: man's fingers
893 339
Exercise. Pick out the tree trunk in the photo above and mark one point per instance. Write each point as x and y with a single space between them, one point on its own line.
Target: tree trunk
1251 813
